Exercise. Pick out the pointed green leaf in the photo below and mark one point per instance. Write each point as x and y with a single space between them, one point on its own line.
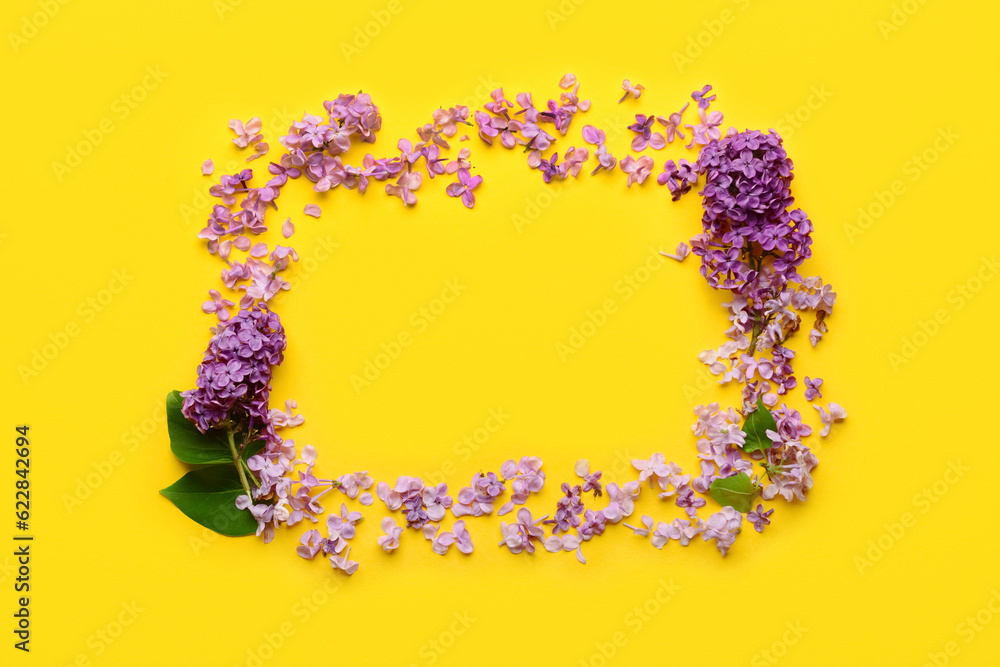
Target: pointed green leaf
208 495
737 492
188 443
756 426
251 449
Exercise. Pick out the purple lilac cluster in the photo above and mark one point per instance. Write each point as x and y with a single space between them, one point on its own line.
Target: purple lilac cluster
234 377
753 245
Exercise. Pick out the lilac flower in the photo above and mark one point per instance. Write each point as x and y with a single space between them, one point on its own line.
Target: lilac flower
217 305
499 105
574 159
536 137
436 500
464 188
812 388
684 531
527 109
672 125
638 170
661 535
567 80
593 136
789 470
435 163
405 186
635 91
440 542
488 484
284 418
229 185
759 518
461 163
644 133
264 513
550 168
605 160
688 501
519 536
653 468
463 541
448 119
699 97
311 544
836 413
343 526
591 481
707 130
351 484
390 541
723 527
624 496
341 562
408 153
679 179
594 523
246 134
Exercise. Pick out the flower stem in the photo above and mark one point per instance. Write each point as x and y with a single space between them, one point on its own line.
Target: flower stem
237 462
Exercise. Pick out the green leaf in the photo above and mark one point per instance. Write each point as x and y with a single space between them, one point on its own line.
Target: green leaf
251 449
756 426
208 495
188 443
737 492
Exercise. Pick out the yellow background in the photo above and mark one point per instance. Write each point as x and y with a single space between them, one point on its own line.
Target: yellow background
126 554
